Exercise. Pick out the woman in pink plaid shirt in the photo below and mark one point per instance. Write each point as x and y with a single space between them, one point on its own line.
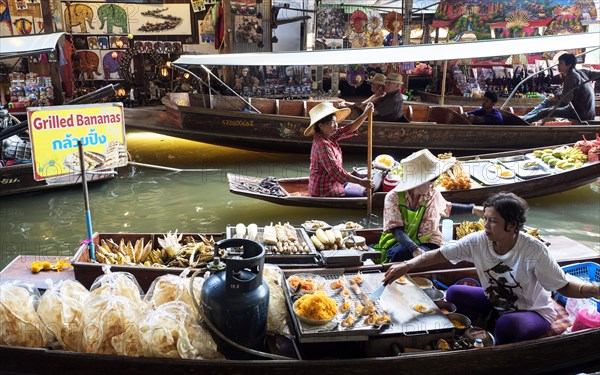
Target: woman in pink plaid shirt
328 178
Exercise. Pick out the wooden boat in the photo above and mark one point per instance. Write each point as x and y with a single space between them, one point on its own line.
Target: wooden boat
278 125
518 106
17 179
549 181
379 353
281 123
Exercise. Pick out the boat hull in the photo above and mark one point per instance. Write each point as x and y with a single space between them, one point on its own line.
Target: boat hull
17 179
284 132
297 188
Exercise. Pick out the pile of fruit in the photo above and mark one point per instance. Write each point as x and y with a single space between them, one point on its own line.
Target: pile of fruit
564 157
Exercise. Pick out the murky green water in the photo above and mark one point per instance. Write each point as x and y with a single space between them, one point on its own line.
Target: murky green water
154 200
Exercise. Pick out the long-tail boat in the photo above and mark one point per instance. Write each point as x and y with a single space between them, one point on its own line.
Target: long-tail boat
485 174
278 124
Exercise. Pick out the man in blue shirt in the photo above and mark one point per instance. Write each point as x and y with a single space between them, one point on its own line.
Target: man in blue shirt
487 114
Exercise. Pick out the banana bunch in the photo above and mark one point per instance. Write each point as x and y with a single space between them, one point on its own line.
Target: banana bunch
109 252
330 239
171 254
467 227
564 157
189 253
534 232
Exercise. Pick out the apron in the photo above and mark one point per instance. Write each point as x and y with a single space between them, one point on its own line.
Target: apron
412 221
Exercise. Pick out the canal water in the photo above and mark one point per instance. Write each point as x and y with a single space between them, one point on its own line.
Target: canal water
197 199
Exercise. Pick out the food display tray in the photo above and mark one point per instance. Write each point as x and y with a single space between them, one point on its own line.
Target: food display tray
87 271
539 169
271 256
486 172
396 300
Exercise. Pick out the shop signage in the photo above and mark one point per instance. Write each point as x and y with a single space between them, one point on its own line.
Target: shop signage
56 131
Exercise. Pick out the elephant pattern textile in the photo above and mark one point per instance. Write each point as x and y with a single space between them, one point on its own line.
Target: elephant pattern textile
78 15
112 65
89 61
113 15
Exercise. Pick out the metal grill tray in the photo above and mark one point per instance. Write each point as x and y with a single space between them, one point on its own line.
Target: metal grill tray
396 301
273 257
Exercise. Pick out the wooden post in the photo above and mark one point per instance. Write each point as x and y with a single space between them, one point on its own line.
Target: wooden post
54 66
443 83
370 164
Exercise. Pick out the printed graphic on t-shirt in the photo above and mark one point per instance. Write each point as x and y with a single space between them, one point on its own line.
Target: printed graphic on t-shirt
501 288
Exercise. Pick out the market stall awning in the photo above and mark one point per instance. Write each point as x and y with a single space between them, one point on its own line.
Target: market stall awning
407 53
16 46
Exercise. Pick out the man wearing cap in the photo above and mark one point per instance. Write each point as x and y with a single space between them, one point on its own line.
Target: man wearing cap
327 174
388 106
412 210
487 114
377 88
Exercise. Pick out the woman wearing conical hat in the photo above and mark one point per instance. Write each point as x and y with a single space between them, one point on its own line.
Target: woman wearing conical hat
327 174
412 210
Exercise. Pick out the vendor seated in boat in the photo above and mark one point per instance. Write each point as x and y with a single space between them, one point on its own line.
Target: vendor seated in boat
516 271
487 114
575 100
412 210
328 178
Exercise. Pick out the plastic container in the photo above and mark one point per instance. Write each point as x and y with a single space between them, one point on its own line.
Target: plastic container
588 271
447 230
586 318
376 176
390 181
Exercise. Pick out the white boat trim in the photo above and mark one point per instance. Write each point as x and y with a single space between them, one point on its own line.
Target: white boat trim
405 53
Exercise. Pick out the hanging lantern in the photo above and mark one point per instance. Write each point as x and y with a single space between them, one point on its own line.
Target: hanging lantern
115 55
186 75
168 64
164 71
119 43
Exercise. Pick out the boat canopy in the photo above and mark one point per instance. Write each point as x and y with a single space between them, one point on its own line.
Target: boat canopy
15 46
406 53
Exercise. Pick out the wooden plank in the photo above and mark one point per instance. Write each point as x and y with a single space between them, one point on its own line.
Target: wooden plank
292 108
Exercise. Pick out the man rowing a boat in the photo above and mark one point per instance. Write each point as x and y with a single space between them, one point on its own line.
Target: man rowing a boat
328 178
576 100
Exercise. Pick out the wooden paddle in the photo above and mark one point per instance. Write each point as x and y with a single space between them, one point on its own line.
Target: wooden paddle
369 163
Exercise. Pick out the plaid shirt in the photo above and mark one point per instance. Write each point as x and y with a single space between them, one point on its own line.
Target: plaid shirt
327 174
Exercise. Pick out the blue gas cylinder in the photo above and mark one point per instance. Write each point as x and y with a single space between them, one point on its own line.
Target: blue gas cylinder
236 301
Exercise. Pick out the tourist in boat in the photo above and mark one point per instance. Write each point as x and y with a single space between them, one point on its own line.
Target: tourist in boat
327 174
516 271
377 84
413 209
574 92
389 106
487 114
